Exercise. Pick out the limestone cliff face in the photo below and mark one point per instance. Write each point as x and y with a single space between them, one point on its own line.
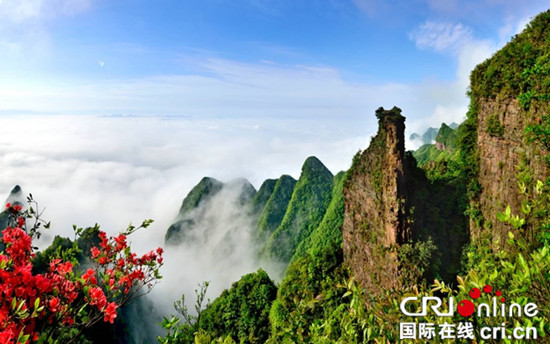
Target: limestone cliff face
501 153
510 122
375 221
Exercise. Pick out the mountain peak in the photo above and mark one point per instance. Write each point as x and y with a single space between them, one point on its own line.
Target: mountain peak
203 191
16 189
245 189
16 196
314 165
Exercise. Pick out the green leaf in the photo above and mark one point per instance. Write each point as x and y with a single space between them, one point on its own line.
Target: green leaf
525 208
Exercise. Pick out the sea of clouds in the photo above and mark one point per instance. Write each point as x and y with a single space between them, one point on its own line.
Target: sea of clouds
113 170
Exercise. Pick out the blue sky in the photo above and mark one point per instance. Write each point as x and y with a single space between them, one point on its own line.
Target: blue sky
365 40
249 58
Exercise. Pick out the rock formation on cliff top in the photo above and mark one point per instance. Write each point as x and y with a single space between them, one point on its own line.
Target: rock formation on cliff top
375 205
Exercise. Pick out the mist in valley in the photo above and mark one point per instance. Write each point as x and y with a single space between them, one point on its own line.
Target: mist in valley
112 171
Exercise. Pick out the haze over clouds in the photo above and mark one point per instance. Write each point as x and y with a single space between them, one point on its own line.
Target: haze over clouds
113 170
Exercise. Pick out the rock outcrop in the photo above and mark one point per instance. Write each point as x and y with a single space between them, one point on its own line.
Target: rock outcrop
501 157
509 134
375 194
15 197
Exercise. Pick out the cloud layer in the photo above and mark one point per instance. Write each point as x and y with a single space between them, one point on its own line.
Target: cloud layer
113 170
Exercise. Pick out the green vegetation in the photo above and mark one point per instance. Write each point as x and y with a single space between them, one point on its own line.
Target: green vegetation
440 198
186 332
518 67
63 247
309 211
307 293
274 211
539 132
417 259
262 196
329 232
494 127
392 114
442 153
468 159
317 301
204 190
240 314
305 211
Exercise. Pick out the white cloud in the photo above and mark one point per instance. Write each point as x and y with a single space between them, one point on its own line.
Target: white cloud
24 27
512 26
441 36
470 55
458 41
113 170
25 11
229 89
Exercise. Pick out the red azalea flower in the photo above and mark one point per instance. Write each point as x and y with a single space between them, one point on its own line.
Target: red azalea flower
110 313
54 304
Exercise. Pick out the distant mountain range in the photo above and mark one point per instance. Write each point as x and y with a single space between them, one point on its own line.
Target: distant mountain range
429 135
290 217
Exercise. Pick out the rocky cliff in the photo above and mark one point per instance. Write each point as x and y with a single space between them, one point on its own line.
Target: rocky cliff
502 157
510 127
375 221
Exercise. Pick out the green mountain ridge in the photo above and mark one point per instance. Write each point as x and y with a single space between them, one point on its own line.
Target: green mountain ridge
195 205
310 199
291 216
445 146
262 196
329 232
275 208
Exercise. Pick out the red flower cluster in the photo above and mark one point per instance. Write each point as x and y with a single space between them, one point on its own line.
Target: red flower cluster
34 306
